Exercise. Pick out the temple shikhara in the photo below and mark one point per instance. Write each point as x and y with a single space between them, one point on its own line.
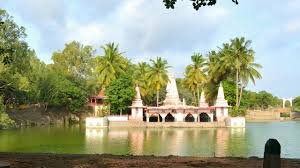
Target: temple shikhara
175 110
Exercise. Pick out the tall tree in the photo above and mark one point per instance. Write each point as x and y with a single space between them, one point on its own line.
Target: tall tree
235 57
120 93
111 65
140 78
158 75
248 72
15 57
194 73
75 59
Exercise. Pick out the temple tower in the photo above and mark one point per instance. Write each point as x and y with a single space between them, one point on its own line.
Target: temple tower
221 105
172 96
202 101
137 105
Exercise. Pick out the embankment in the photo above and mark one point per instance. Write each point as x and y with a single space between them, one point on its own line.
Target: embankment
34 116
93 161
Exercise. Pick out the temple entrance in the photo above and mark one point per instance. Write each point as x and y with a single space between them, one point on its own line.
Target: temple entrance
204 117
153 118
189 118
169 118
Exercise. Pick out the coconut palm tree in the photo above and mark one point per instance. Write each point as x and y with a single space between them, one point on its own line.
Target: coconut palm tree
158 75
235 56
140 78
248 72
194 72
110 65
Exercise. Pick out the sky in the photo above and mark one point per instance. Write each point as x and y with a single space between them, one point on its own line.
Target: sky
145 29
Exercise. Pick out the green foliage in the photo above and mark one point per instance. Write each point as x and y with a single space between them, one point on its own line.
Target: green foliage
111 65
194 75
296 103
237 111
158 75
229 91
103 111
120 93
5 121
184 93
74 60
261 100
196 3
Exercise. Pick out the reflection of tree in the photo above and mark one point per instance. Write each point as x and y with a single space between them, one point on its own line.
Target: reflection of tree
238 143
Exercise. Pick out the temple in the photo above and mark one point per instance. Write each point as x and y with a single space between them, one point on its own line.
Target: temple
175 110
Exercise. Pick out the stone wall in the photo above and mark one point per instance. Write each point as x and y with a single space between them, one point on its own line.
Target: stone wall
262 115
295 115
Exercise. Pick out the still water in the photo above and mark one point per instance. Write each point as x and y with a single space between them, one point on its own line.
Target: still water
244 142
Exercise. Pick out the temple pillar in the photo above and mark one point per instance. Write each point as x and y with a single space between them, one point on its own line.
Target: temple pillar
147 117
195 117
163 116
211 116
179 117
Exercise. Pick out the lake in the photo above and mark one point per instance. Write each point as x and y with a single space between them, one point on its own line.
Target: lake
243 142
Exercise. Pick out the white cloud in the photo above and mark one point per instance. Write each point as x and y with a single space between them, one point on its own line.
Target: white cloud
89 34
293 26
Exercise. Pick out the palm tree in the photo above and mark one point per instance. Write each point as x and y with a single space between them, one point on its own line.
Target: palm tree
248 72
235 56
111 65
194 73
158 75
140 78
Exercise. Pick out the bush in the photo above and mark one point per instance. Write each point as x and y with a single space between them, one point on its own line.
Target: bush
6 122
235 111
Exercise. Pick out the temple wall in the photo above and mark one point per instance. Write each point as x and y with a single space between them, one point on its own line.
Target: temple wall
235 122
167 124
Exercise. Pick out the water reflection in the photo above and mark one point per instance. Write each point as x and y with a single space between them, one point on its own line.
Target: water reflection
168 141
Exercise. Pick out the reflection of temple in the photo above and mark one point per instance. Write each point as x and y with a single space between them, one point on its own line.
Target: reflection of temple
175 110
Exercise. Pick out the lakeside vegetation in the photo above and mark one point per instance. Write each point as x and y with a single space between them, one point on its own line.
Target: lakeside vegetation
78 72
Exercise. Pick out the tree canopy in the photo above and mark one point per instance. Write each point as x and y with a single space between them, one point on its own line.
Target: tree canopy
196 3
120 93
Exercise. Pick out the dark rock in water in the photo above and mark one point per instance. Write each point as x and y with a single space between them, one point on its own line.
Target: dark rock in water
272 154
4 165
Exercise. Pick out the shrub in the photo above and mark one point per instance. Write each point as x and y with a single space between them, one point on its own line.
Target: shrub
235 111
5 121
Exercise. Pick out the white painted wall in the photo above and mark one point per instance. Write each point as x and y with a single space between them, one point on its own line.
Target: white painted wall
117 118
235 122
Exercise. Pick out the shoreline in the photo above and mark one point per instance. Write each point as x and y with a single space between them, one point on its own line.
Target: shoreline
48 160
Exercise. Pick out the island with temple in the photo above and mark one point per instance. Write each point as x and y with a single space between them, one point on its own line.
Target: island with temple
172 113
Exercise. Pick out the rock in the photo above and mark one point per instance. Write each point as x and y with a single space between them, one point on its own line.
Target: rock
272 154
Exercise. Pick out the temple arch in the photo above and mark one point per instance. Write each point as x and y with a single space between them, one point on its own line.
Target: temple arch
204 117
154 118
290 100
189 118
169 118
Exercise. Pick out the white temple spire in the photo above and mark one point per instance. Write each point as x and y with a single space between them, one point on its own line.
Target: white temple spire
202 101
137 101
172 96
221 102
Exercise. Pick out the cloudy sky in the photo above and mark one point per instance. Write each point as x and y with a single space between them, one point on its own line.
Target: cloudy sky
144 29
